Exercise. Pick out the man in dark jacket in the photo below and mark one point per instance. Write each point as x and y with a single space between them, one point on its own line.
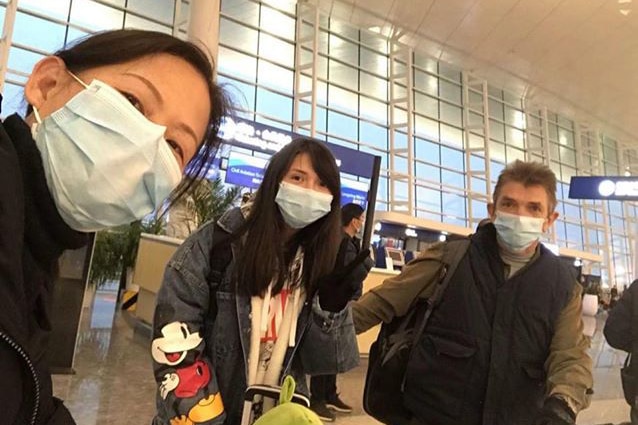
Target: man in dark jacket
323 388
505 344
621 331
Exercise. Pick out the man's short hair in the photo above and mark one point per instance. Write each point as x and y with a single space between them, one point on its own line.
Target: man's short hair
529 174
350 211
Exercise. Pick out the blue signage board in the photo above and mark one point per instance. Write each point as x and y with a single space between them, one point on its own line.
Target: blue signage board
353 192
264 138
604 187
245 170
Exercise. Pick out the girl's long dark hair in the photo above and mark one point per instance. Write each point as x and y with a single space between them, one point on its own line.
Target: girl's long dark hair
263 250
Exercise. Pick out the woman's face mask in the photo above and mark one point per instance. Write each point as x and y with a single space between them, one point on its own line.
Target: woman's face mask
105 163
300 206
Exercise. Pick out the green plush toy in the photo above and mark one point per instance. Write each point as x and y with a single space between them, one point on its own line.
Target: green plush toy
287 413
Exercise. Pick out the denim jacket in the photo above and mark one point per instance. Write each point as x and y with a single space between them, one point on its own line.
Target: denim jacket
200 361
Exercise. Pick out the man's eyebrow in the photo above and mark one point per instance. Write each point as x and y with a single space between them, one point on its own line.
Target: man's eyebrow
148 84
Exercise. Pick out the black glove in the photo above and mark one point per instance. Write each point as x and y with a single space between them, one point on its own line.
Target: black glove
334 289
556 411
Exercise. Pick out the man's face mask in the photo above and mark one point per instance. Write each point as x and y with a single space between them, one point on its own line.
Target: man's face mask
105 163
518 232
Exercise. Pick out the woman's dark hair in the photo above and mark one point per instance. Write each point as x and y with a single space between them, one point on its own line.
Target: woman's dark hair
120 46
350 212
262 253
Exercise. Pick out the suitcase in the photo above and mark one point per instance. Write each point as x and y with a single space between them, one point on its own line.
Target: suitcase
263 392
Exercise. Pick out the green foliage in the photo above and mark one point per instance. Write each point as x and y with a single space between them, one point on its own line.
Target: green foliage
208 200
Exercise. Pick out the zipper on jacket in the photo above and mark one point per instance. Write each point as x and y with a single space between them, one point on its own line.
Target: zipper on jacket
36 404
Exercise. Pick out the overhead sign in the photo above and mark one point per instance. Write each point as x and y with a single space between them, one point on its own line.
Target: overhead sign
604 187
264 138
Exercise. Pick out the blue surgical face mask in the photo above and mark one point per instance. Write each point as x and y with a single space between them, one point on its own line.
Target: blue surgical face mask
301 207
518 232
105 163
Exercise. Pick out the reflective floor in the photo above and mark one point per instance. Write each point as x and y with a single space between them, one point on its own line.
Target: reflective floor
113 383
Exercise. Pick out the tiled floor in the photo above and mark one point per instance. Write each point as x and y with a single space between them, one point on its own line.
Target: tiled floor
114 383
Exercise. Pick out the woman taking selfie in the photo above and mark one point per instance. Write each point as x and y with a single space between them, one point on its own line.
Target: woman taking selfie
112 123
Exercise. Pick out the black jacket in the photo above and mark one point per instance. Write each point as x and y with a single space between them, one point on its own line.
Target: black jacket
481 359
622 322
32 238
348 250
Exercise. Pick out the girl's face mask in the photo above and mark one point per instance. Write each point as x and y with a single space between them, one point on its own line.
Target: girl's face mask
300 206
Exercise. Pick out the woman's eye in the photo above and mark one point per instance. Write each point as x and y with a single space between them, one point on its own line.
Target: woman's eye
176 148
134 101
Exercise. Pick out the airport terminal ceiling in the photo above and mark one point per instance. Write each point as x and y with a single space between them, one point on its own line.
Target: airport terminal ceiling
580 58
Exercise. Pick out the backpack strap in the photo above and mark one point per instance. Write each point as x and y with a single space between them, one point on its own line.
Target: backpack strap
453 253
220 256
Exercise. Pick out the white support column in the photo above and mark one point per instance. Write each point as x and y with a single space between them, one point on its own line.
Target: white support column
203 25
5 41
483 149
401 121
306 59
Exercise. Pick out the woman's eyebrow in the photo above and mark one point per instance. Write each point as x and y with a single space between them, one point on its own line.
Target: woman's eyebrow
147 83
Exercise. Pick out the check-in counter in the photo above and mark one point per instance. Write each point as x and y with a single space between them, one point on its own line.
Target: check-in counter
375 278
152 256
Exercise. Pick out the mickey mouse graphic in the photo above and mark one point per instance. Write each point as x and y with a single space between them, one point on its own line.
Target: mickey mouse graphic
171 349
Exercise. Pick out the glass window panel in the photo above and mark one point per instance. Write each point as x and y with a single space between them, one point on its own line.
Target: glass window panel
342 125
238 36
564 122
568 156
276 50
242 94
497 131
246 11
93 15
514 137
231 62
343 99
477 163
373 62
161 10
453 205
565 137
339 141
274 105
426 127
496 109
496 168
74 33
374 86
343 50
475 119
451 136
567 173
559 229
451 114
615 207
513 154
426 105
400 140
427 172
426 150
277 23
342 74
428 199
374 110
400 164
274 76
476 100
321 123
554 151
497 151
553 132
475 141
40 33
426 62
450 178
374 135
479 186
276 124
283 5
132 21
479 209
452 158
426 82
514 117
512 99
449 72
450 92
400 190
23 60
58 9
13 99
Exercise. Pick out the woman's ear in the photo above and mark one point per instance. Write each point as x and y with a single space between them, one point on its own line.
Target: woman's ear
47 78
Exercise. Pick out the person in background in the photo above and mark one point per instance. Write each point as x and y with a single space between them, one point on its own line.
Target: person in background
274 306
621 329
505 345
323 388
112 124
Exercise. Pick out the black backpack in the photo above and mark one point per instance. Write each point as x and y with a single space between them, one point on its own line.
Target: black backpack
390 353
